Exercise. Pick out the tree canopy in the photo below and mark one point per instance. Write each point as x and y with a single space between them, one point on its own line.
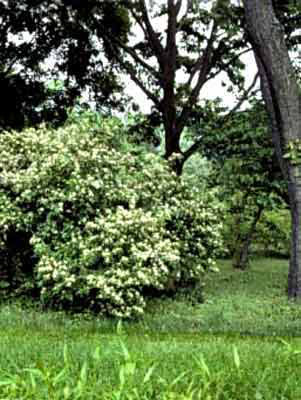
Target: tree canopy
172 65
42 41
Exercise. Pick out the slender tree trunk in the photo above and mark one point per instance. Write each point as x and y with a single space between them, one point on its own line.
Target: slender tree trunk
283 101
294 276
241 255
240 209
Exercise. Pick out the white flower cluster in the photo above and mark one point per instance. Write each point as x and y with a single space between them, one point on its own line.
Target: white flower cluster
105 224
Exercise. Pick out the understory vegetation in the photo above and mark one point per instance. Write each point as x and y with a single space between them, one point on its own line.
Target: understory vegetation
88 221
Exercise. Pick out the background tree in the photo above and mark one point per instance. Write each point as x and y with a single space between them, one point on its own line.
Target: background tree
172 66
244 169
42 41
281 93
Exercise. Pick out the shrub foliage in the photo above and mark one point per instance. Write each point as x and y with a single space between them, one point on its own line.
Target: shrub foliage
103 225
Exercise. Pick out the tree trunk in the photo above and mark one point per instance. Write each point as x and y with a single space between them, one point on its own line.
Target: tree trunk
172 147
282 97
241 255
169 109
294 276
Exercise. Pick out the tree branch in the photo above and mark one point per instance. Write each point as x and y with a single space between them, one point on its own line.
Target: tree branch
224 67
171 48
205 67
138 82
193 148
152 35
243 97
135 56
138 20
129 69
202 59
178 7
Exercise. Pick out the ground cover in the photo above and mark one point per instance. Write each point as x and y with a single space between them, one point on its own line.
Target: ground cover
241 343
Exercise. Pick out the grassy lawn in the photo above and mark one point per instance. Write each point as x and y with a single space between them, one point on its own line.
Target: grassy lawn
241 343
251 302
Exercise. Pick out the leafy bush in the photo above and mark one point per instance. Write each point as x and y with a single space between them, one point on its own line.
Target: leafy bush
104 225
273 233
271 236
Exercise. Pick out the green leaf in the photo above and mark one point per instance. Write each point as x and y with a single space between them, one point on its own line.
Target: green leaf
236 357
149 374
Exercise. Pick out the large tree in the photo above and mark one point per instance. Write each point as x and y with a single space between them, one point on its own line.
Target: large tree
281 92
172 64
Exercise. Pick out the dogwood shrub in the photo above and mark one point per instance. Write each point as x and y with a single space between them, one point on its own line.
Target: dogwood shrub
104 224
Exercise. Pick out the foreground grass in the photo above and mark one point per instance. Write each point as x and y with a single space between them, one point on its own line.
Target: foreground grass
240 344
35 365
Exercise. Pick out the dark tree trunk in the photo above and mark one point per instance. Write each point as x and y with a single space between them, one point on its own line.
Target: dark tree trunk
282 97
169 109
172 147
241 255
294 276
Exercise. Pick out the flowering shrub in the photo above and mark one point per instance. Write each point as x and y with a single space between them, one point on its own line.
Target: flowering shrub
104 224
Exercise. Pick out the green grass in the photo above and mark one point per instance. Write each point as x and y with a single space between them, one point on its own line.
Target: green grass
241 343
252 302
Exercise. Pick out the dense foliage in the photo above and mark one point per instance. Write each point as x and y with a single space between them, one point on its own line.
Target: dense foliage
105 223
273 233
245 170
42 41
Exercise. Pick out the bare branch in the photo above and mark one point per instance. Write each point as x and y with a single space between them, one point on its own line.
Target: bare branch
201 60
243 97
129 69
139 60
152 35
139 21
178 6
192 149
195 69
224 67
138 82
205 67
